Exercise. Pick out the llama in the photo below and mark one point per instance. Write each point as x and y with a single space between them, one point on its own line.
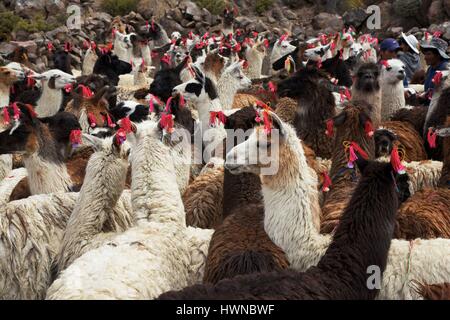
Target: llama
407 138
434 292
298 235
231 80
426 214
282 49
315 105
51 99
131 109
351 127
111 66
362 239
240 245
255 53
123 45
44 148
92 222
392 90
62 60
167 254
367 88
7 78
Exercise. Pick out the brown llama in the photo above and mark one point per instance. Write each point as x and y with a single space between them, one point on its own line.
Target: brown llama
362 239
240 244
434 291
426 214
350 127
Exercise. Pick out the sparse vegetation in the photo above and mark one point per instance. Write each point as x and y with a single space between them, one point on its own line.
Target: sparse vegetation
213 6
119 7
10 22
263 5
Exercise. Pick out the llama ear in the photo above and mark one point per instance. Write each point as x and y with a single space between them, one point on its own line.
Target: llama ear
92 141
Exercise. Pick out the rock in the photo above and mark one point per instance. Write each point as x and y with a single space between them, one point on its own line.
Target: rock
191 10
55 7
355 17
446 4
30 8
102 16
396 30
271 19
436 12
31 46
243 21
60 33
260 26
6 48
290 14
328 21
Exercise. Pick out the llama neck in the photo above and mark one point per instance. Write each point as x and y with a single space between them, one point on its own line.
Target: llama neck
204 107
89 62
255 62
121 52
4 95
393 98
49 102
226 89
374 99
154 190
5 165
291 205
102 187
46 176
363 236
444 182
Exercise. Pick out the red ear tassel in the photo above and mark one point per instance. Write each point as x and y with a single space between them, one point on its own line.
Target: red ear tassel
257 118
330 126
168 103
6 118
113 32
266 43
75 138
151 105
30 81
125 124
67 47
68 87
92 121
272 87
326 182
352 157
166 122
182 101
121 136
368 128
213 115
153 24
85 91
396 162
50 46
93 45
384 63
431 137
319 64
16 110
267 122
360 151
166 59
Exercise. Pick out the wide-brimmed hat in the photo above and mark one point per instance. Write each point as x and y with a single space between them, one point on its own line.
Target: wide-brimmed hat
438 44
412 42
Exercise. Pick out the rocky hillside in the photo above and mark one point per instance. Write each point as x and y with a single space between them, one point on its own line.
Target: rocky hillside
33 23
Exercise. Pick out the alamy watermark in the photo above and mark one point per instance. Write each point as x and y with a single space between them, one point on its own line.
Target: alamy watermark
74 19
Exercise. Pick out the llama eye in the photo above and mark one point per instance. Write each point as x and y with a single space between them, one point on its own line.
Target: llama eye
388 68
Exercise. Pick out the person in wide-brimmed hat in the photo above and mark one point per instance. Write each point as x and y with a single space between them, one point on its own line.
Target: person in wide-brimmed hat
409 55
436 58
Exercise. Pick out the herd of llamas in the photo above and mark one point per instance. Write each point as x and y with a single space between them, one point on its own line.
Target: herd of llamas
102 194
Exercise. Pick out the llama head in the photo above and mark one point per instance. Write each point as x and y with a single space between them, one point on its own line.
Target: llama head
56 79
111 66
393 71
9 75
384 142
62 60
178 54
367 78
199 89
124 40
166 79
112 148
22 132
236 75
259 153
353 124
214 63
317 53
281 48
